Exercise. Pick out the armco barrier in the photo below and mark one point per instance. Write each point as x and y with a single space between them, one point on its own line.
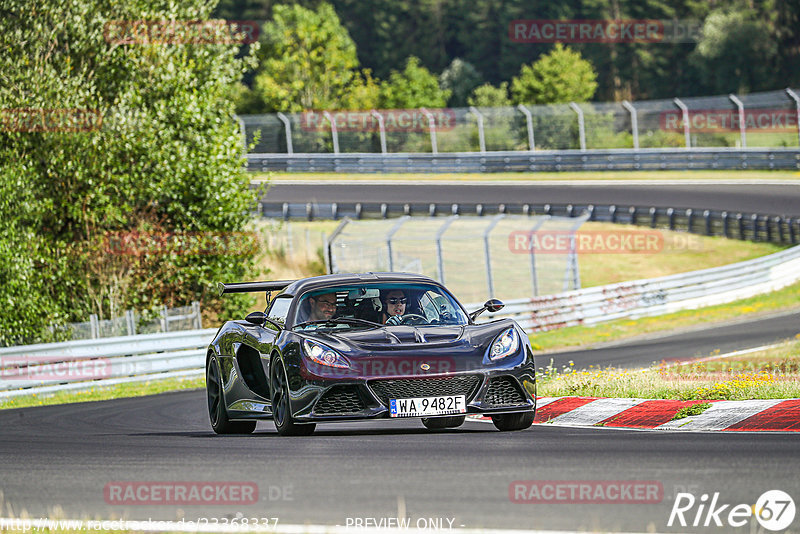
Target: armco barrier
87 363
545 160
734 225
655 296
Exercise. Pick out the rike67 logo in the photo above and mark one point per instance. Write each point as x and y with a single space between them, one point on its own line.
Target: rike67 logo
774 510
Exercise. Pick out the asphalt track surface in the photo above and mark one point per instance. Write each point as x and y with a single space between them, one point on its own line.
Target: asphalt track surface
63 457
747 198
743 333
57 460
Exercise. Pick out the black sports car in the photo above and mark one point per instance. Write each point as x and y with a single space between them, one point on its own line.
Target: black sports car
366 346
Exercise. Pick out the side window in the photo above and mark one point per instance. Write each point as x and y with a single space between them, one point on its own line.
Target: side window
279 310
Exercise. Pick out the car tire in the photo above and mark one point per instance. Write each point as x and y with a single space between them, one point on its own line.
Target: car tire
513 421
217 414
438 423
281 412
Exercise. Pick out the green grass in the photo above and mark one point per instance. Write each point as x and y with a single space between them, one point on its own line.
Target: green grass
787 298
104 393
694 409
537 176
763 379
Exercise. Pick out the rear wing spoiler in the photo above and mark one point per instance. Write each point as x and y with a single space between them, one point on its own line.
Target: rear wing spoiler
253 287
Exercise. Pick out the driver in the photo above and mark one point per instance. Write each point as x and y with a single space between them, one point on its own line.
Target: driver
323 307
394 306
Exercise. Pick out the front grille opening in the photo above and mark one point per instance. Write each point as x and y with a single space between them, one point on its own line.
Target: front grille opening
503 391
386 389
340 400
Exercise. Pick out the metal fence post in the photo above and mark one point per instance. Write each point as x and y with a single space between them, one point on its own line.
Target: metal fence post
742 125
381 129
487 254
534 274
334 132
687 134
634 123
529 121
439 233
389 236
330 261
94 326
431 129
572 260
243 132
481 138
796 99
130 322
581 125
164 319
198 320
287 128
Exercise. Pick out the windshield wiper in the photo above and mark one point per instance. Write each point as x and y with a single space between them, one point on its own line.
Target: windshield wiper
339 320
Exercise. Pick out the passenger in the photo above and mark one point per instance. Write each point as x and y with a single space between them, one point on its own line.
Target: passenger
394 306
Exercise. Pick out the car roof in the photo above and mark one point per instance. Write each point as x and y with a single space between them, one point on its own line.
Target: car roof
318 282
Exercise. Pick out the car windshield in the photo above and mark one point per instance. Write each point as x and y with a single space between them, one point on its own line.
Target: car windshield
378 305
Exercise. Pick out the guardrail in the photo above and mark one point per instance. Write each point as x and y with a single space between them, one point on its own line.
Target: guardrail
84 364
655 296
734 225
544 160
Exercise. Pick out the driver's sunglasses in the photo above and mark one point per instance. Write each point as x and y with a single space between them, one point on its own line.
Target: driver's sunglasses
396 300
329 304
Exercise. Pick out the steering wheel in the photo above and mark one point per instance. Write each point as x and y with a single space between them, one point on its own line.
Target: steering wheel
409 318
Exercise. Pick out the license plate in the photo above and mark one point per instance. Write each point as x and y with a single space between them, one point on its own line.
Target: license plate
425 406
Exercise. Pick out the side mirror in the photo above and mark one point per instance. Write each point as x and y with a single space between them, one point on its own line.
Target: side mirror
256 318
492 305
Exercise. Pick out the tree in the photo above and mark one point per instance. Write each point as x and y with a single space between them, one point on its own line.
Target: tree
734 54
307 59
460 78
413 87
487 95
119 138
558 77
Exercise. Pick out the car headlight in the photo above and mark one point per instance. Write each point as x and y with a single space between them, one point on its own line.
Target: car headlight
506 344
324 355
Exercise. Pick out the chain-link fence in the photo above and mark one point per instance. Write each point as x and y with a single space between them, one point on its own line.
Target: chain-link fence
767 119
476 257
133 322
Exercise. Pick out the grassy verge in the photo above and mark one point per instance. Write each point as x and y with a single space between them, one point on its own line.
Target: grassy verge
535 176
583 336
770 374
104 393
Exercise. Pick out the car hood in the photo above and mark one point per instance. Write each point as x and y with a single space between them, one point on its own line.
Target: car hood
412 339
